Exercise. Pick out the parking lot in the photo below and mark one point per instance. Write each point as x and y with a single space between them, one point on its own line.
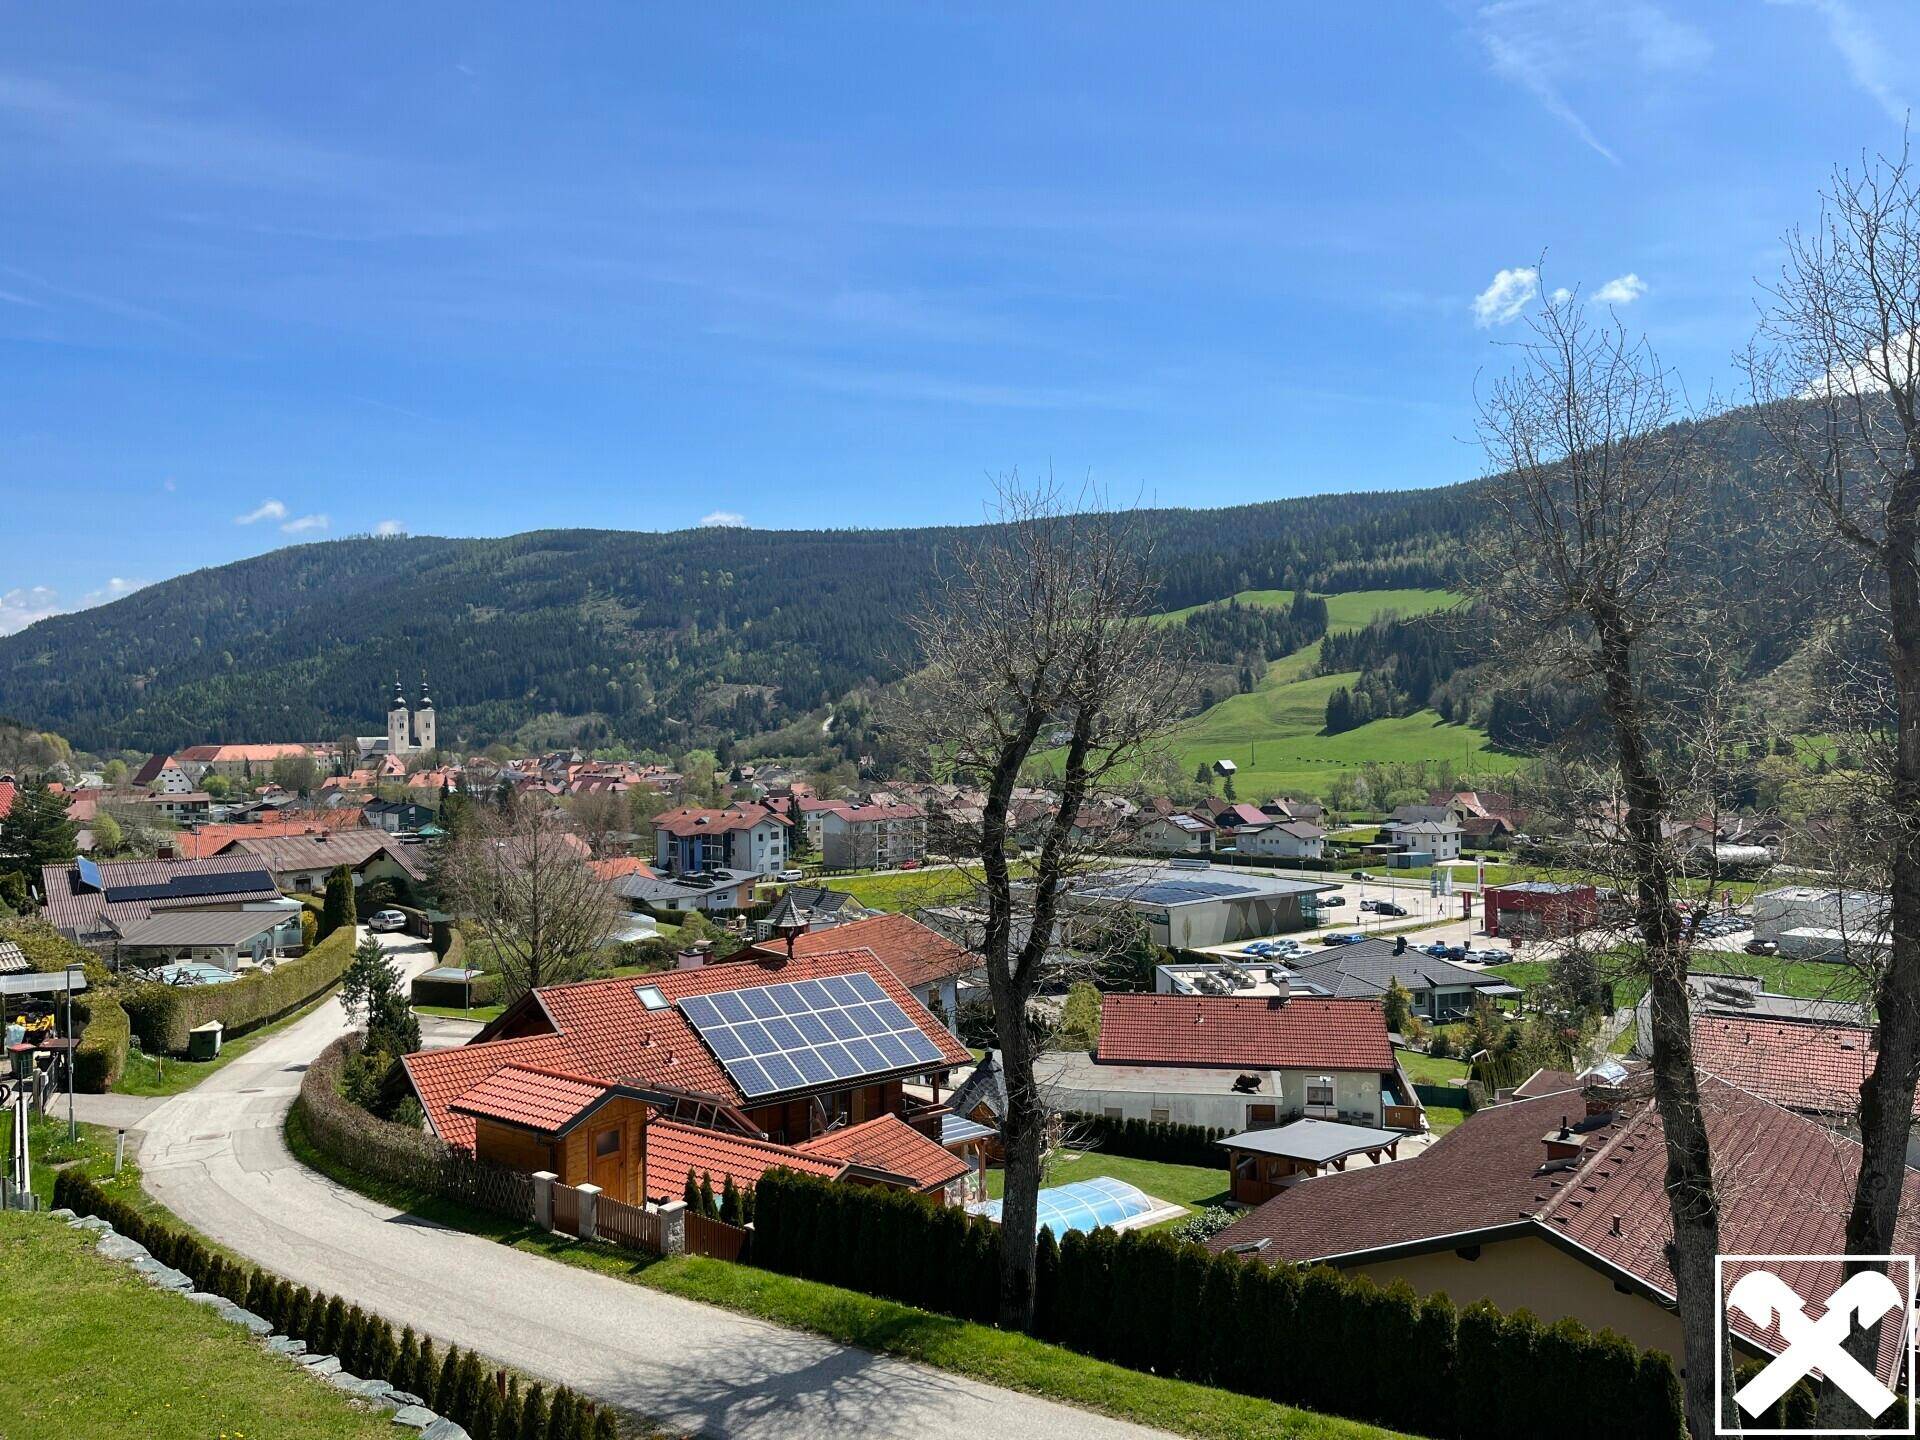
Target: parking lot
1432 919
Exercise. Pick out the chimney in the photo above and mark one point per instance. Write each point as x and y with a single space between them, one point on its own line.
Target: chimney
1399 944
165 852
1563 1144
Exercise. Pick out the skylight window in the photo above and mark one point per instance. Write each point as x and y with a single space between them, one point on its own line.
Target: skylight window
650 996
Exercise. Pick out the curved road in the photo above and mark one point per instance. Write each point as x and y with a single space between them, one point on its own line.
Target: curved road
215 1157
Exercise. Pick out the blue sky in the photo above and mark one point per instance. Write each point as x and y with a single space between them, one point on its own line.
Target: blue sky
270 276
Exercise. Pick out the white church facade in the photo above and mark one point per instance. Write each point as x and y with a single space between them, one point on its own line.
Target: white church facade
408 732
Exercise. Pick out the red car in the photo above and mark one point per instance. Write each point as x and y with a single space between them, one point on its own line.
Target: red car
909 864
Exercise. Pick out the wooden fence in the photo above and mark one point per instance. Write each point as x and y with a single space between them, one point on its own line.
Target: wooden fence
490 1187
566 1209
619 1223
707 1236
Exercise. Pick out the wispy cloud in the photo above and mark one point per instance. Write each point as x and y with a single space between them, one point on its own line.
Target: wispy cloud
305 523
1867 59
24 604
390 527
724 518
265 510
1502 302
1621 290
112 590
1542 45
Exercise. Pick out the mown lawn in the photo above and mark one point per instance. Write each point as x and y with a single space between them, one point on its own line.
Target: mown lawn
94 1353
997 1357
1425 1069
939 885
1194 1186
1805 979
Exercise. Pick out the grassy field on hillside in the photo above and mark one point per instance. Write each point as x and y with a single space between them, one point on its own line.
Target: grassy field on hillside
1344 612
1273 732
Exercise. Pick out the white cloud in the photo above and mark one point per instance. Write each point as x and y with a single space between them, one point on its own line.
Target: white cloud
724 518
1867 60
22 605
112 590
1561 295
304 523
1621 290
265 510
1502 302
391 527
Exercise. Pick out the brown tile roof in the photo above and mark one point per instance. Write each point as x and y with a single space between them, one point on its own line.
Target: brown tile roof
1248 1033
69 907
324 850
673 1149
688 820
1804 1067
1611 1210
1545 1082
913 952
207 840
891 1145
545 1101
599 1028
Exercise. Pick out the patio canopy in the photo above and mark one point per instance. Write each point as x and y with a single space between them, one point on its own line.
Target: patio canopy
199 927
1318 1142
48 982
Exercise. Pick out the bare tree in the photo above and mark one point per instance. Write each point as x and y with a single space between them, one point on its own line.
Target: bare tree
1836 369
1586 569
1038 640
603 819
526 881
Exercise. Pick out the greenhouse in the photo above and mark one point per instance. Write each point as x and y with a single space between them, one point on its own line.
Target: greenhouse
1089 1204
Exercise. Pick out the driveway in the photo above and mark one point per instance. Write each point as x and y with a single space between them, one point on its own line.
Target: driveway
216 1158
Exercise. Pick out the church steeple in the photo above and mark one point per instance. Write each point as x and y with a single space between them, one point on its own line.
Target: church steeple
399 732
424 730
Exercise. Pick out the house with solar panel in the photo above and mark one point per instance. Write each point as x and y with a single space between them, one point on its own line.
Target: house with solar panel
1236 1063
225 912
821 1061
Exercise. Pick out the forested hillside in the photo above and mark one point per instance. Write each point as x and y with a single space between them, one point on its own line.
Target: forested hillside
655 639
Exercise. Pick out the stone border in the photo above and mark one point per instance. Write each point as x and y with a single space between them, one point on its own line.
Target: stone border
407 1410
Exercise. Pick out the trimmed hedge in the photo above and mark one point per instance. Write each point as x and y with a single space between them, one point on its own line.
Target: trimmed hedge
402 1154
1316 1338
163 1015
484 1399
101 1055
1162 1140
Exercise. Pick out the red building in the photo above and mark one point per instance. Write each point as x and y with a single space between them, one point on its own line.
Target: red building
1541 910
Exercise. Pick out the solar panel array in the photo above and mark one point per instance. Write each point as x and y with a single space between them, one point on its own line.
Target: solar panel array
187 887
809 1032
89 873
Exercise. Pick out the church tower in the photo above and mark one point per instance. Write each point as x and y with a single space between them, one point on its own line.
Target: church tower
423 735
397 737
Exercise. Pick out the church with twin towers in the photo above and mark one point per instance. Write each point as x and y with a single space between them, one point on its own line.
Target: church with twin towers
408 732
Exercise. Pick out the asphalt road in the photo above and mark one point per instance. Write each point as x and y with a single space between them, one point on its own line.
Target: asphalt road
216 1158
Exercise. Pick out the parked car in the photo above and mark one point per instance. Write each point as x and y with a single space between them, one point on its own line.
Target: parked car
1371 904
909 864
1455 952
382 921
1341 937
1438 949
1387 907
1332 902
1362 875
791 877
1489 956
1762 947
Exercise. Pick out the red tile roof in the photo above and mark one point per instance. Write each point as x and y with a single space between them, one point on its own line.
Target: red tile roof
599 1028
891 1145
673 1149
7 791
914 953
1486 1174
230 754
206 840
621 865
1246 1033
546 1101
1801 1066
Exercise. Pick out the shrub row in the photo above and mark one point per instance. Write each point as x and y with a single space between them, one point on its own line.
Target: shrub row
1327 1341
487 1401
101 1055
1162 1140
164 1015
402 1154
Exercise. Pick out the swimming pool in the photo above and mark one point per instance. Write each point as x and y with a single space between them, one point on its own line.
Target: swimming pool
1083 1205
